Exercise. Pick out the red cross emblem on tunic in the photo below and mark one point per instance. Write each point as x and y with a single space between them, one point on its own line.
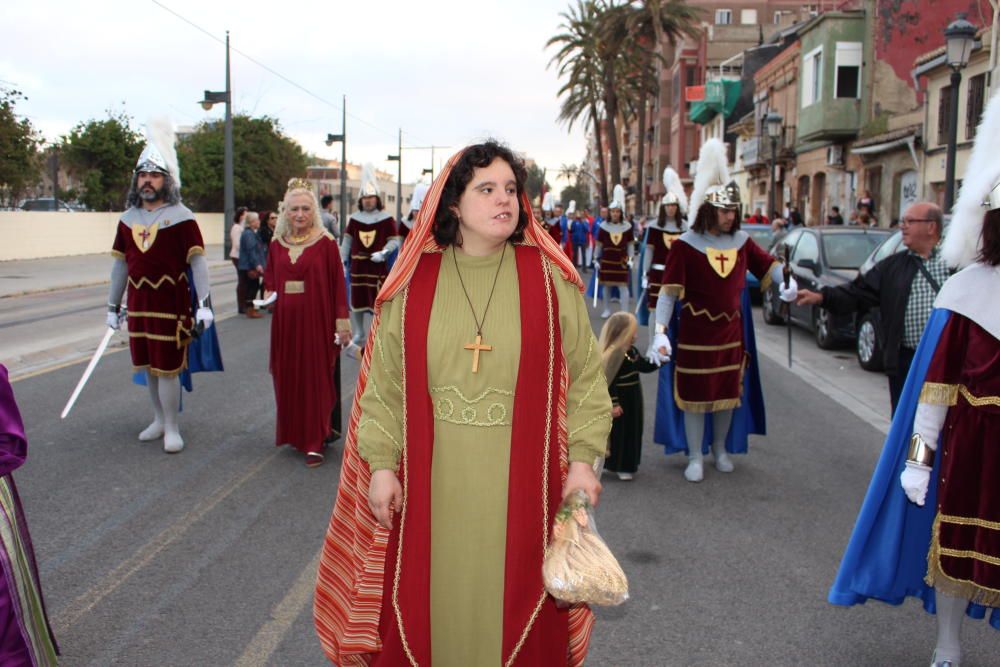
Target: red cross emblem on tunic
722 261
144 237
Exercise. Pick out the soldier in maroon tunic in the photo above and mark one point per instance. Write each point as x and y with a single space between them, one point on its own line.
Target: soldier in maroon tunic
157 240
613 250
660 236
705 275
371 236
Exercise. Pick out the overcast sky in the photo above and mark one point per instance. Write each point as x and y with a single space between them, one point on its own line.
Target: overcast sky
448 72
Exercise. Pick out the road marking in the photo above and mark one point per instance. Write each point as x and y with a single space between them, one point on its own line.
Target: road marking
83 357
68 616
283 615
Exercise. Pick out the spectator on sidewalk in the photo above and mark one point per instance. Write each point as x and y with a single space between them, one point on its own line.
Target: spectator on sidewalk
835 218
329 216
902 285
235 232
251 263
758 218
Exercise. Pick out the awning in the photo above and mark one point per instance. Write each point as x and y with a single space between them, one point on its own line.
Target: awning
887 146
720 97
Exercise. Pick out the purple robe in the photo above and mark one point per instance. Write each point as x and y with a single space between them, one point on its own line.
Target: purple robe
25 634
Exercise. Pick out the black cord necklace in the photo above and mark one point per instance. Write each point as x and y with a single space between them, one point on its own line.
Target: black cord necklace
478 346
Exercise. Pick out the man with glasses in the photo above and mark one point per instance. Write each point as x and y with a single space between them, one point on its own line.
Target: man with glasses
902 285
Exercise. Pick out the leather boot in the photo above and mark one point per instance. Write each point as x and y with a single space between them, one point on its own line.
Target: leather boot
252 313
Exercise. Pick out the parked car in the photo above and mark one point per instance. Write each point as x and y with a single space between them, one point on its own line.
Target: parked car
822 257
45 204
763 235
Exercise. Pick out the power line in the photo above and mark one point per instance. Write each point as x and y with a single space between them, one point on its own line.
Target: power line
271 70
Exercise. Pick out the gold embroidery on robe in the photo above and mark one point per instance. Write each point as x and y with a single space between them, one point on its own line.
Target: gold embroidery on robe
722 261
367 238
144 236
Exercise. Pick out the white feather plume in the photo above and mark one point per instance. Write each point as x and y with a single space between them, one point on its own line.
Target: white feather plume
672 183
369 178
548 203
160 132
713 169
571 209
618 197
961 246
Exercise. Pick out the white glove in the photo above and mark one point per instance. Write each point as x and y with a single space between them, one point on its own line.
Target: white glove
915 479
788 294
378 257
114 320
655 355
204 316
597 262
645 282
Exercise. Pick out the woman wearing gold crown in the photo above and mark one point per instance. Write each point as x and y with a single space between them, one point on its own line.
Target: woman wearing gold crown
481 403
305 275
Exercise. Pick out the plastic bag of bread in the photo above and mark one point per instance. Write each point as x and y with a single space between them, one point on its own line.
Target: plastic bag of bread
578 566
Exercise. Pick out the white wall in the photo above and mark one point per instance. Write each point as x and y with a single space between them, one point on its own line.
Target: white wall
32 234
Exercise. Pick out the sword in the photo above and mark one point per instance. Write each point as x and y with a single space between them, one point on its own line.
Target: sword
597 283
786 272
87 373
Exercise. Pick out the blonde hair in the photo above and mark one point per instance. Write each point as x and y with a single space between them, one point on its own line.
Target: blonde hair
282 228
616 338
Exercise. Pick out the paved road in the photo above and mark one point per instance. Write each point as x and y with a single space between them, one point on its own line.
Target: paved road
208 557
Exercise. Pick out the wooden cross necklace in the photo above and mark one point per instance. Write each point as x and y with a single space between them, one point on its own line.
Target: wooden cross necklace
478 346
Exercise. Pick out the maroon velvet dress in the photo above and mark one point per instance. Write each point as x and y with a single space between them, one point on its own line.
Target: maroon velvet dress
660 241
312 301
159 298
367 276
614 256
710 355
965 373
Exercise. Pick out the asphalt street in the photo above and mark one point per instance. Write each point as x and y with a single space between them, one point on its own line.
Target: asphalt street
208 557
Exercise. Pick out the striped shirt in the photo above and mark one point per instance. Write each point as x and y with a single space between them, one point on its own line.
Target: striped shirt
922 293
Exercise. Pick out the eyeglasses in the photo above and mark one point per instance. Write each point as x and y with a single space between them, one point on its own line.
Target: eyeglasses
908 221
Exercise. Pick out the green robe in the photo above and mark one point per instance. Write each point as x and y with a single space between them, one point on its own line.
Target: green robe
472 430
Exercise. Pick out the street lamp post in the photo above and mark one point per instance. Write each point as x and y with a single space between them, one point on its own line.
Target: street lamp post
229 199
773 122
342 138
398 159
960 35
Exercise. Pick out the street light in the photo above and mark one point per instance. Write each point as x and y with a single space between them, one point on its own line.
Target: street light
229 199
398 159
773 122
960 36
342 138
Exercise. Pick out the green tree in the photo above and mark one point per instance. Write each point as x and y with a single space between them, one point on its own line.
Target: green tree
536 179
102 154
263 161
20 165
580 66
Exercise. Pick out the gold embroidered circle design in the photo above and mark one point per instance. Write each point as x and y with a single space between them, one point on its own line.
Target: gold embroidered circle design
445 408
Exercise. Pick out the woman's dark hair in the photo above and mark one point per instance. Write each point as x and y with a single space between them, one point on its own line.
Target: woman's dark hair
264 232
708 218
990 254
240 210
477 156
661 218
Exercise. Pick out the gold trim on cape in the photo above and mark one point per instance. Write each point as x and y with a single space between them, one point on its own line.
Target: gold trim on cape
961 588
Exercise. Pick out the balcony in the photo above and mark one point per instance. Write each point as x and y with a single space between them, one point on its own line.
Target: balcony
756 150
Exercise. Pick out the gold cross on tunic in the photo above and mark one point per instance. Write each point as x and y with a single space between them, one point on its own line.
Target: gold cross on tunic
476 348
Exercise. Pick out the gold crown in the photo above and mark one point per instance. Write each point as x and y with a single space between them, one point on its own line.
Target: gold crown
298 183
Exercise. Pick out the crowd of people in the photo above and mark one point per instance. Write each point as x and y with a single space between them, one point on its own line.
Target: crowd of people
481 377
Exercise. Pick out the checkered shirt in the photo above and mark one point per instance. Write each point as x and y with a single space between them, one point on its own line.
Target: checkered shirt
921 301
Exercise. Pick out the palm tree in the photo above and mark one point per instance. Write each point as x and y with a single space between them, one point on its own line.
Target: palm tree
579 63
649 24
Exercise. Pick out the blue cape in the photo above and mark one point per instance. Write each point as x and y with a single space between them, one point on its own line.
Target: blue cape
203 354
886 558
749 418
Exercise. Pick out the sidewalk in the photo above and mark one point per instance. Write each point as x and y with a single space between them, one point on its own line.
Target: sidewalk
19 277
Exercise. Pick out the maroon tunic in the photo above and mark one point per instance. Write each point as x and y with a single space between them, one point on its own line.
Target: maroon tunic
660 241
614 257
367 276
710 356
555 231
965 556
159 298
312 301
